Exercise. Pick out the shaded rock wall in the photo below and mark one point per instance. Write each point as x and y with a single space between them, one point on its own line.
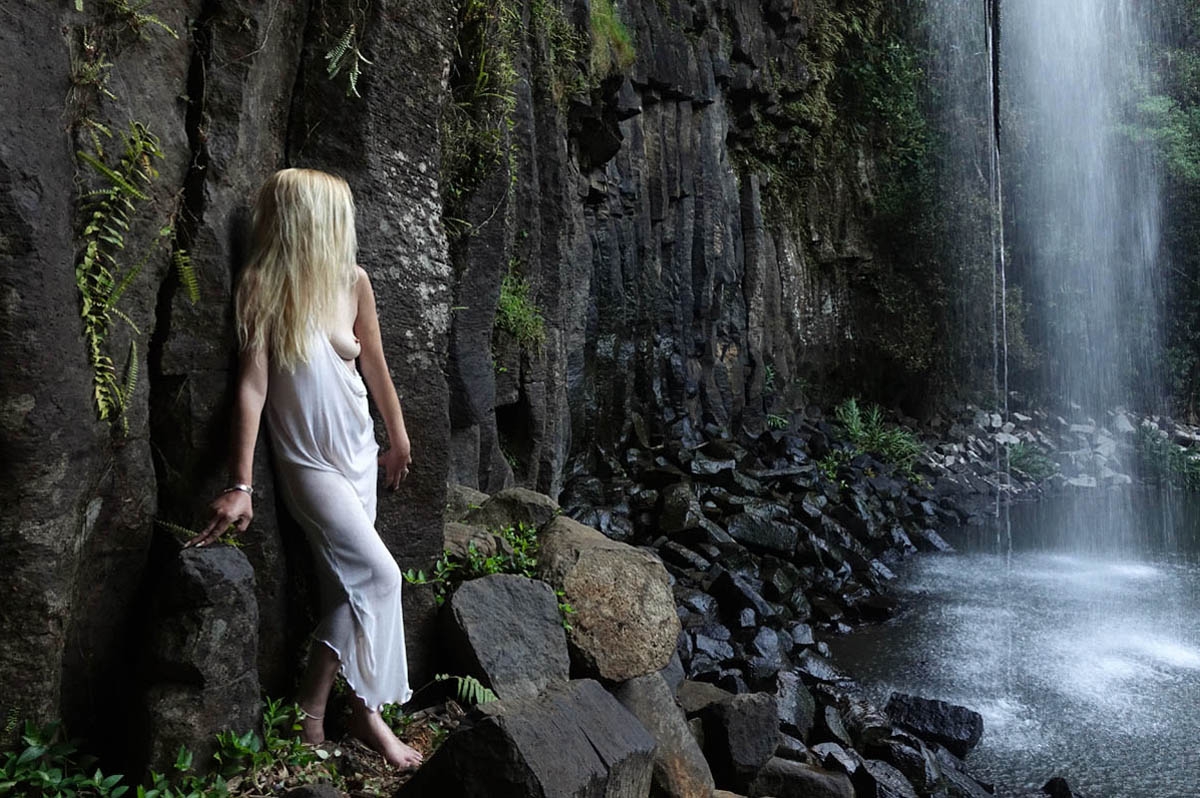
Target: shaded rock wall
674 293
240 92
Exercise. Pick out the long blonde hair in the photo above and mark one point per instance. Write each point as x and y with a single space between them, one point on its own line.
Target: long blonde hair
301 264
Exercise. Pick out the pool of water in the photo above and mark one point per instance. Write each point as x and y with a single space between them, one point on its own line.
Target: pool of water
1073 627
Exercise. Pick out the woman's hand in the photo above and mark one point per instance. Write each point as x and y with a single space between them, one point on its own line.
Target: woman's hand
231 511
396 461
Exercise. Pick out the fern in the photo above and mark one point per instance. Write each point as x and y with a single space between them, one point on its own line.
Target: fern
187 274
99 275
343 54
468 690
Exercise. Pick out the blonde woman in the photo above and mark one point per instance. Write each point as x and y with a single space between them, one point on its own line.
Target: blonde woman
305 312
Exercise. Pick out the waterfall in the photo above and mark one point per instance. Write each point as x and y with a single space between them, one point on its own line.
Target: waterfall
1084 200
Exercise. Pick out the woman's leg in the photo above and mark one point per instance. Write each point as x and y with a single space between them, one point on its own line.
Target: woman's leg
370 727
314 691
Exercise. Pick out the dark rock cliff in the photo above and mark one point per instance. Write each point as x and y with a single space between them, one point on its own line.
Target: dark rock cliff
691 220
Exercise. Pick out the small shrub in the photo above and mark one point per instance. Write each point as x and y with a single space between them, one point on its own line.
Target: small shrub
451 570
777 422
1031 461
1162 461
868 432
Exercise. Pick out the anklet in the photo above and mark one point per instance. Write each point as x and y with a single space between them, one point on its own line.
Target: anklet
309 716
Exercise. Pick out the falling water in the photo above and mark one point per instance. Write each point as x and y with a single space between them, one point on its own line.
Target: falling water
1084 199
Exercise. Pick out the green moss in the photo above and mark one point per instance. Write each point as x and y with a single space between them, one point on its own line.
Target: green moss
517 315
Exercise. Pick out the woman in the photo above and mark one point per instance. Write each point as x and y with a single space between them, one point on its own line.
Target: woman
305 311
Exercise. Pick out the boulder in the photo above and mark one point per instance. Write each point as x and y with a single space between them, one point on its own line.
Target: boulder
763 533
511 507
740 735
201 656
680 770
876 779
573 741
457 539
680 509
782 778
695 697
507 631
462 500
956 727
625 623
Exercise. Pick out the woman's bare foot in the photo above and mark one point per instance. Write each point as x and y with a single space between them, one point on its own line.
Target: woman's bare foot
370 728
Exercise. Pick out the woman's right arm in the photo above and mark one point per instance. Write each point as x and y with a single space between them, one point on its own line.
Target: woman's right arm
234 509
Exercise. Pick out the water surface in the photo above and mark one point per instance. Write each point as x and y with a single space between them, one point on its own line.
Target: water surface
1077 637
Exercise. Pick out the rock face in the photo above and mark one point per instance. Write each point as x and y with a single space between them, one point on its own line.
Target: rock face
624 624
574 741
201 656
507 631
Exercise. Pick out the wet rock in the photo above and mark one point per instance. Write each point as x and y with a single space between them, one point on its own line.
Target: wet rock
458 539
829 727
625 623
781 778
680 770
833 756
1058 787
735 593
574 739
956 779
817 667
928 540
956 727
876 779
507 631
795 704
694 697
910 756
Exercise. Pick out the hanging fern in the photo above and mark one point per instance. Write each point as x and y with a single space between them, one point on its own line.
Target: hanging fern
468 690
345 55
186 274
99 274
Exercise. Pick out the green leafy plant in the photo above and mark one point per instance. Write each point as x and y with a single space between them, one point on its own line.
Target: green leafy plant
868 432
516 313
1030 461
565 609
467 689
346 55
775 421
1162 461
517 555
50 765
612 46
134 16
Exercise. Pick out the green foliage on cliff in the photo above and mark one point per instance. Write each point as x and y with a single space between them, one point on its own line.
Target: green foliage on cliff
516 554
869 433
1162 461
612 45
517 315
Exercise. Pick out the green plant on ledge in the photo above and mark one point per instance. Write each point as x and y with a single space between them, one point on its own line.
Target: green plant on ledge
1030 461
451 570
517 315
612 46
868 433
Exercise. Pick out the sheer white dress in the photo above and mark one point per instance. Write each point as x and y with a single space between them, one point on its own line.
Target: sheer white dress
326 463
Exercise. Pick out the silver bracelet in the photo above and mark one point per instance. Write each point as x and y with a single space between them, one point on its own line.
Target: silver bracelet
242 486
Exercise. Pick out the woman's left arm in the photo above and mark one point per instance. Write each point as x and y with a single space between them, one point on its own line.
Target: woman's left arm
398 457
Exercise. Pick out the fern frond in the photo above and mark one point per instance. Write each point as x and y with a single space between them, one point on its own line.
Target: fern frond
125 318
131 375
108 172
468 689
337 54
187 274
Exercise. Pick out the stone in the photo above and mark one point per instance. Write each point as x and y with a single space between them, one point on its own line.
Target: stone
694 697
876 779
624 623
201 657
461 501
511 507
573 740
795 704
817 667
782 778
740 736
762 533
458 538
927 540
680 509
958 728
735 593
507 631
680 770
322 790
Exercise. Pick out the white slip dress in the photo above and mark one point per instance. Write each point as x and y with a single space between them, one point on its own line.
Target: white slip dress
326 463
